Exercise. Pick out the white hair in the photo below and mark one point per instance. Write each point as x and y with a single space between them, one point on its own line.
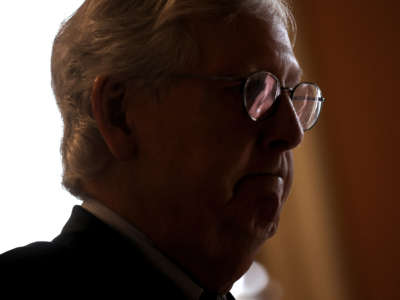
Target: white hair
133 37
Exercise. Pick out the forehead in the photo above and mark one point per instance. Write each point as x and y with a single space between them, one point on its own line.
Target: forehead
247 45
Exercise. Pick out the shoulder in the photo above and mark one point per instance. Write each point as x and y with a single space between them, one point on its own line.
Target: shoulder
34 268
87 252
42 267
39 254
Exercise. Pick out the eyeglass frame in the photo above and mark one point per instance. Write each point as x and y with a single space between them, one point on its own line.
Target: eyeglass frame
243 81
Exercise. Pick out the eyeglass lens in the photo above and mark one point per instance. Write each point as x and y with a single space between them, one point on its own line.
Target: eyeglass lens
262 89
306 104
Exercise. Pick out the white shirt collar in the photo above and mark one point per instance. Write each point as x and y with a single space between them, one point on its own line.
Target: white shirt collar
168 268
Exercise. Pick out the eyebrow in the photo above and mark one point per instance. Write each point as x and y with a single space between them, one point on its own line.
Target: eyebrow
293 72
294 75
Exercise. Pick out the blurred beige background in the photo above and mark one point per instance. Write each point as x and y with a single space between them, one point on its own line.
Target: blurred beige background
339 235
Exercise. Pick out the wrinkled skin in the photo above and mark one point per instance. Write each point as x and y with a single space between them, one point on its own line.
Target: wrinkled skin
195 174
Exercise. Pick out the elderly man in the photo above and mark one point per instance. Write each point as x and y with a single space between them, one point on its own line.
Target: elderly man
179 120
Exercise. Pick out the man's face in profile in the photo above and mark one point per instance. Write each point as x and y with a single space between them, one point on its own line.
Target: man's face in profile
202 164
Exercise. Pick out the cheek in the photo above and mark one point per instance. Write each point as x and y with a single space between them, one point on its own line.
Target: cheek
203 134
208 166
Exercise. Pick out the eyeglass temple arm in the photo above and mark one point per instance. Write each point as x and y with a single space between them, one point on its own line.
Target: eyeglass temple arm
227 78
290 90
320 99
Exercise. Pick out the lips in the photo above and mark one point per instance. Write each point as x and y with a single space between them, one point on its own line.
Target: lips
261 193
254 176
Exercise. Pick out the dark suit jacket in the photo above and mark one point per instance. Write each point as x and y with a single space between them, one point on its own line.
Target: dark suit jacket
88 259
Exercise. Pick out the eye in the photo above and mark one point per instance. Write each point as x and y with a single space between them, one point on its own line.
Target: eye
232 92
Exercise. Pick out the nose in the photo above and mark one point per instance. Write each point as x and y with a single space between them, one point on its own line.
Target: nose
282 131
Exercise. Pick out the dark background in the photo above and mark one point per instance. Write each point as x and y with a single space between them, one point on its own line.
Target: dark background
344 212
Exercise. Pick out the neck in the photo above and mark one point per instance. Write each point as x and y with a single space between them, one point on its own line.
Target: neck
216 273
213 259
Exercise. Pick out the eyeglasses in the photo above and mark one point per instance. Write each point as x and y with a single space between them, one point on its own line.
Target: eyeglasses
261 91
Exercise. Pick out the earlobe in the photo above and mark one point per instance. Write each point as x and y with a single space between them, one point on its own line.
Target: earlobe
109 111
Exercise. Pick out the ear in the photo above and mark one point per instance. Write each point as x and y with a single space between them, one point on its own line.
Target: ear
108 100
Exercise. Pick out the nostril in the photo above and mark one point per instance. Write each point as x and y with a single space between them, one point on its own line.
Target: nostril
281 138
272 142
280 145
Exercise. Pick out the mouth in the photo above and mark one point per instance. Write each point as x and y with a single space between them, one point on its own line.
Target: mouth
260 195
254 176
